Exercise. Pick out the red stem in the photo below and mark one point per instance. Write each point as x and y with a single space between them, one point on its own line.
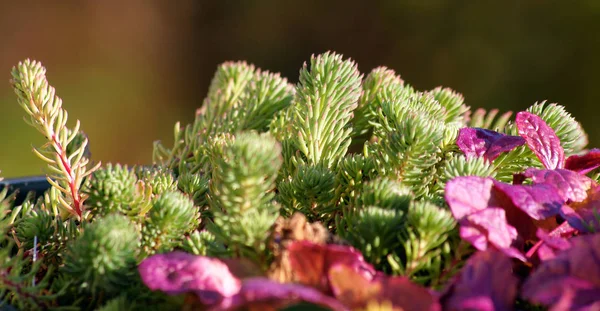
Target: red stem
64 159
74 191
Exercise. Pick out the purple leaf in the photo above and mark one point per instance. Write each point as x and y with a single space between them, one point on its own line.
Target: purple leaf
485 283
178 272
311 262
541 139
356 292
570 185
265 294
584 164
538 201
571 280
478 142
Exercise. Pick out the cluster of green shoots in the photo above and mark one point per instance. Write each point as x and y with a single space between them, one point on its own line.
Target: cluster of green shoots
365 156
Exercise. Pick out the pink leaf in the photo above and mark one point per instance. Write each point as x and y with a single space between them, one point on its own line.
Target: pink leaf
468 194
489 227
481 215
538 201
570 185
541 139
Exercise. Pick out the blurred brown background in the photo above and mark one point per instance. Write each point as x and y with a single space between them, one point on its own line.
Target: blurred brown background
130 69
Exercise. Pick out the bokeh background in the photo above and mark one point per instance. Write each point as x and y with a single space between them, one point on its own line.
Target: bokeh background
130 69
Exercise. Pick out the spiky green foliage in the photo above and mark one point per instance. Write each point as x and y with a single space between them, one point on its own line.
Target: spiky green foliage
453 102
311 190
410 136
265 94
374 219
245 170
425 242
195 186
159 179
378 81
51 233
172 215
353 171
66 171
240 98
514 161
22 281
386 193
373 230
103 258
112 188
396 233
367 158
203 243
20 284
326 96
459 165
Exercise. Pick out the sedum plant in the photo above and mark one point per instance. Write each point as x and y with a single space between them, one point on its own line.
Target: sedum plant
345 191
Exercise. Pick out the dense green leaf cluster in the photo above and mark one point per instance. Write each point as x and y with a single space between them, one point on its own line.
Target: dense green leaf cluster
367 156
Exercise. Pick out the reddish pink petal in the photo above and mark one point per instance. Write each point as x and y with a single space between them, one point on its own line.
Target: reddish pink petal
541 139
584 164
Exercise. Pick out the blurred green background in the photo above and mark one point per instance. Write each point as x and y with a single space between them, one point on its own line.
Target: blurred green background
130 69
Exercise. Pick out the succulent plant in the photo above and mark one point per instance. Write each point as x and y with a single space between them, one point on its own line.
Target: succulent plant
344 192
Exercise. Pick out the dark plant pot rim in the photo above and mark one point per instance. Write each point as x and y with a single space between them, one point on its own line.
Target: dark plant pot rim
24 185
